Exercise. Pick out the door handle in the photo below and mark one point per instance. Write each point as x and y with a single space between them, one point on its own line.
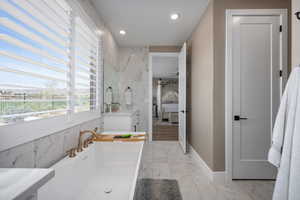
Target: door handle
184 111
238 118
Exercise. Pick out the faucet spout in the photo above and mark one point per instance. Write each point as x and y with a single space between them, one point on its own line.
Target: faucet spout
94 136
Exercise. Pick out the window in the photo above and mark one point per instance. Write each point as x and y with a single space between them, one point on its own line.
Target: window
86 51
40 75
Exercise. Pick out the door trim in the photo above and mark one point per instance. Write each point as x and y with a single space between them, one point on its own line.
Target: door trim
230 13
150 82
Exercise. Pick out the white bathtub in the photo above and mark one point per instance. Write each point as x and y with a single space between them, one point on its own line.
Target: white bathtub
102 167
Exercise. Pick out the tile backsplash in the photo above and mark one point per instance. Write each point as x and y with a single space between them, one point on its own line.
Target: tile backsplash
46 151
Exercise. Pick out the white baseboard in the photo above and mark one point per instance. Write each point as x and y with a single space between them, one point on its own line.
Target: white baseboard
214 176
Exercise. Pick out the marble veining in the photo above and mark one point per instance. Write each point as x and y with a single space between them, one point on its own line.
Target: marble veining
130 70
46 151
51 146
70 139
165 160
22 184
19 156
160 160
133 64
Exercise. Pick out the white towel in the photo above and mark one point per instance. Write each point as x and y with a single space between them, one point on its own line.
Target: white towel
109 97
128 96
281 119
284 152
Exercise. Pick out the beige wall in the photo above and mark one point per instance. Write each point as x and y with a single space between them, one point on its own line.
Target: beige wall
201 72
219 66
295 34
208 78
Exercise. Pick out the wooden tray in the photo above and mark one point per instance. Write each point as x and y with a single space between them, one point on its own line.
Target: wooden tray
110 138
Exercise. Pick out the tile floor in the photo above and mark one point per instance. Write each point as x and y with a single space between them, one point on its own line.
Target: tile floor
165 160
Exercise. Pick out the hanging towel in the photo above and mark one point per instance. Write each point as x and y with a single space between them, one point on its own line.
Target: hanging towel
284 152
128 96
109 96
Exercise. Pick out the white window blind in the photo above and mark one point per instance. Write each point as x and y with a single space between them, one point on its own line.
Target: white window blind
86 53
36 61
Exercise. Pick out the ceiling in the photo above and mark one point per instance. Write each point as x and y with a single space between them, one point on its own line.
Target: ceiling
165 67
147 22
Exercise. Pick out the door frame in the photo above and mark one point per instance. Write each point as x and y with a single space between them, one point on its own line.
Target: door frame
150 82
230 13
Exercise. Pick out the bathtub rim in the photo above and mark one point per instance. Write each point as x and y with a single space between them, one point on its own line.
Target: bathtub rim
82 155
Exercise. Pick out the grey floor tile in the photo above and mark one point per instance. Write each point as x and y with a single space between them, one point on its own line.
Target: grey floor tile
163 160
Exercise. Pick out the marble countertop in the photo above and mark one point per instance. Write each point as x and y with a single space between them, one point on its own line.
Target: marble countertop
20 183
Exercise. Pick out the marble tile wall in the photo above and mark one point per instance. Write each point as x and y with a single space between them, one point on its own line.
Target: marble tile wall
46 151
130 70
133 72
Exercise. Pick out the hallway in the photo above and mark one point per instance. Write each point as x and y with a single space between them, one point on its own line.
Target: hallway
164 131
165 160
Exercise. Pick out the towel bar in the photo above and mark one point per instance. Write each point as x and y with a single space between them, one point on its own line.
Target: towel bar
297 15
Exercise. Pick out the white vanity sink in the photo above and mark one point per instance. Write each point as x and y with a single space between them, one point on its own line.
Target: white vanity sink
121 121
22 184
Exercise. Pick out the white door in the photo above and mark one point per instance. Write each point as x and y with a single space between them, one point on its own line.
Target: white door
256 93
182 98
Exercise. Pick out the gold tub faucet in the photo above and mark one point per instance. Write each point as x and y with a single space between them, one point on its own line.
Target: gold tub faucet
80 144
72 153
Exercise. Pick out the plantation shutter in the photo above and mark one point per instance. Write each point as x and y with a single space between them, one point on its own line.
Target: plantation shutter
86 62
35 40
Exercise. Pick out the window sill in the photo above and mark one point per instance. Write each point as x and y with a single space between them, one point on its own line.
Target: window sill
16 134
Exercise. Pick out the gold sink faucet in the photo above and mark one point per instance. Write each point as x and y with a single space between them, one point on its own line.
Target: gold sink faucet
80 144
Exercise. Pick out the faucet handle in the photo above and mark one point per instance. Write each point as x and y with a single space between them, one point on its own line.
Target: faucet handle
79 148
86 143
72 152
90 140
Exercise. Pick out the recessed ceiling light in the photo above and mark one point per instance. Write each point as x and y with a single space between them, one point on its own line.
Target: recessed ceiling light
122 32
174 16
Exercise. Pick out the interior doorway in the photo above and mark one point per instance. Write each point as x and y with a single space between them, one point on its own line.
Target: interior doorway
167 107
256 70
165 97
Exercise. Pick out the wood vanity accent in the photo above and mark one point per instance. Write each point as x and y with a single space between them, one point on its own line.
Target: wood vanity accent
110 138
